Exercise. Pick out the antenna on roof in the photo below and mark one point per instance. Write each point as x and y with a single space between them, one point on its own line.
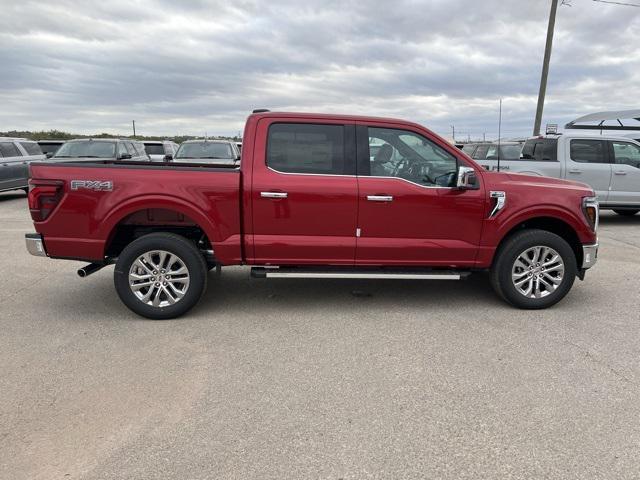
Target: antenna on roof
499 132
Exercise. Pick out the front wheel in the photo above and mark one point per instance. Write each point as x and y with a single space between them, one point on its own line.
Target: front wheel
627 213
534 269
160 276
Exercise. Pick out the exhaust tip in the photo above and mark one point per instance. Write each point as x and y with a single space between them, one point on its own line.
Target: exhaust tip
82 273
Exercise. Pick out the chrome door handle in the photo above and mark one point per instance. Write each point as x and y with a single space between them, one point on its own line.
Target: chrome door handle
273 194
620 172
380 198
574 170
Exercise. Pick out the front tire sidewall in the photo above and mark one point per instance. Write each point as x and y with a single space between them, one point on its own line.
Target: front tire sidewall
510 252
175 244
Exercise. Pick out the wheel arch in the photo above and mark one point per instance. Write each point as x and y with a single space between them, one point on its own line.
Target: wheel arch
154 214
549 223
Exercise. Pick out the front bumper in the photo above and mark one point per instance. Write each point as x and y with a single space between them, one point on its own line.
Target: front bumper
35 244
589 255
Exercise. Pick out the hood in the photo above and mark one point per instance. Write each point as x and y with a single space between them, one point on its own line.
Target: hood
533 181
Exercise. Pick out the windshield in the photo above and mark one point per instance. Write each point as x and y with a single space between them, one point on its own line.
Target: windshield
154 148
205 150
87 149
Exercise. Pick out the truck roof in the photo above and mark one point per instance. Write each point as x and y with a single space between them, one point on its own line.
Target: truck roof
332 116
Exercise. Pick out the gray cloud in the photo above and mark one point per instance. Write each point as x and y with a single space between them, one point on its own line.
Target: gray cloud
190 67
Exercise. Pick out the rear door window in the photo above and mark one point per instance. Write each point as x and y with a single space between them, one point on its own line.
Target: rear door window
540 150
8 149
588 151
307 148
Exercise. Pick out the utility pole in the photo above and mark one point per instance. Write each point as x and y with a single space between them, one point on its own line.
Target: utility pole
134 127
453 129
545 67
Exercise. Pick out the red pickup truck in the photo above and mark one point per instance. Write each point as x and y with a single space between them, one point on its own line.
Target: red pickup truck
316 196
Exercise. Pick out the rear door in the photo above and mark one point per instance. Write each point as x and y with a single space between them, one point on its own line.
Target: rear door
304 192
625 180
587 161
409 211
13 167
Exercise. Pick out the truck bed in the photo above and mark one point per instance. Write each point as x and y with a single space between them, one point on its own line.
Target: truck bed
97 198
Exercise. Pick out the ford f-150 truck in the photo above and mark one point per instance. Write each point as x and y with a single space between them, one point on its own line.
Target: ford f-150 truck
311 199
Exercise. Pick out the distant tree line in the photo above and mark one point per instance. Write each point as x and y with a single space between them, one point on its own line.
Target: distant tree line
59 135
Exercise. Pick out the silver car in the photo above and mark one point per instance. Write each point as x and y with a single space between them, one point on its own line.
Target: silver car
91 149
161 151
214 152
15 156
609 164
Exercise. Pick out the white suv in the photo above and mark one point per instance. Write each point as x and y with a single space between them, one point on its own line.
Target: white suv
609 164
15 156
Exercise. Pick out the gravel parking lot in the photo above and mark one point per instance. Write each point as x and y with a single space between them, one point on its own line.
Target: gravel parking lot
318 379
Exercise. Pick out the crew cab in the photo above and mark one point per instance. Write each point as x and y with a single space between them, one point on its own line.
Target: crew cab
310 201
609 164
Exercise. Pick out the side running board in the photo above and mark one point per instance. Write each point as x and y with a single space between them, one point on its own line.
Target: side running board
380 273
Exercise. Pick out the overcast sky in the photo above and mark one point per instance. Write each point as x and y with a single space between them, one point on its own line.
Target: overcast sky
191 67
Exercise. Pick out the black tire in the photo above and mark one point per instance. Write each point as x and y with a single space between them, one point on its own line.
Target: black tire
186 252
26 190
627 213
509 252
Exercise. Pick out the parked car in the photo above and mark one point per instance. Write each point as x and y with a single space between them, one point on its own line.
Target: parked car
88 149
609 164
50 147
15 156
239 145
490 151
218 152
161 151
308 201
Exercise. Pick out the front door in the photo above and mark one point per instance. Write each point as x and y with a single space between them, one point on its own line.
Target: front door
625 181
304 193
410 212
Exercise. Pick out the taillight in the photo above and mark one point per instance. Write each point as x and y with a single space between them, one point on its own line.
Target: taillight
44 195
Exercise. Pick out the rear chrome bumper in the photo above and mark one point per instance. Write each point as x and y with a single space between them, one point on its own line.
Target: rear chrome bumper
589 255
35 245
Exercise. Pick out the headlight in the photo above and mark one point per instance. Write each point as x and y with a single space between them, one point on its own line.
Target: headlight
591 210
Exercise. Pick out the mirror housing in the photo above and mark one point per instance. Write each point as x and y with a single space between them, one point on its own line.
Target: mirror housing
168 157
467 179
49 154
125 156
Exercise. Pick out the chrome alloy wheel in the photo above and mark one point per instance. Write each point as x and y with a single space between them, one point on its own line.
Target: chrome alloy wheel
159 278
537 272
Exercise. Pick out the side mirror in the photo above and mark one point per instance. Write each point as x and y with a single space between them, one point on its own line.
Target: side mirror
49 154
467 179
168 157
125 156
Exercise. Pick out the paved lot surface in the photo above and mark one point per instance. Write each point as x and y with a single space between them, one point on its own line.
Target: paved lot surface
307 379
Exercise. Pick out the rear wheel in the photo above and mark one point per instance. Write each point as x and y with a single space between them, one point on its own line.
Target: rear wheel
160 276
627 213
534 269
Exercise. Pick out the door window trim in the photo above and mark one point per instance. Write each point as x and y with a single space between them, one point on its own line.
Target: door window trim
349 146
364 162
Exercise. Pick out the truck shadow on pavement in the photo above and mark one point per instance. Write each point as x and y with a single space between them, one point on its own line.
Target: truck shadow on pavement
12 195
615 219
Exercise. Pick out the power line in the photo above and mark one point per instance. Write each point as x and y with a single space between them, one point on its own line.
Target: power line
618 3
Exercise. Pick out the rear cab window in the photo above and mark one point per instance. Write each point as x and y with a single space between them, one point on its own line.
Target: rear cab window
307 149
540 150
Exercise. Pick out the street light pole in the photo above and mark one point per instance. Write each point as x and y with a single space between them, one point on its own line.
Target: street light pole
545 67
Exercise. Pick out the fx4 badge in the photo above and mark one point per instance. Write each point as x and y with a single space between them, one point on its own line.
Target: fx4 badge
96 185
